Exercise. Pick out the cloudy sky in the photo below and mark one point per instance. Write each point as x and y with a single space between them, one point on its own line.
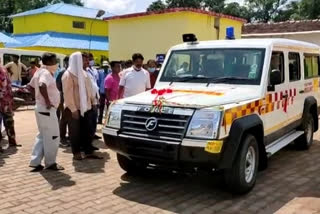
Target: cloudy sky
119 7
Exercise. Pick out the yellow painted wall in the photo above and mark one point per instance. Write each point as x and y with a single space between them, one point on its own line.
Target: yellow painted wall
57 23
148 35
224 23
97 54
155 34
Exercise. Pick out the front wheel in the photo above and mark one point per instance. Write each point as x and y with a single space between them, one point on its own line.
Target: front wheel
241 178
129 165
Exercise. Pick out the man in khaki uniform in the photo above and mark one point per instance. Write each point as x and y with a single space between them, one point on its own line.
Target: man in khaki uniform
17 71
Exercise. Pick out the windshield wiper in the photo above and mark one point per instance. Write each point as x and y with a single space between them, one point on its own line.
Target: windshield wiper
226 79
187 79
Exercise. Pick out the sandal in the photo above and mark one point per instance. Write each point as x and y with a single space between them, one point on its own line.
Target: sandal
55 167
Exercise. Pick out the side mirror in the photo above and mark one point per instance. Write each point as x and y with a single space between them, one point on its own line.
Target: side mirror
275 77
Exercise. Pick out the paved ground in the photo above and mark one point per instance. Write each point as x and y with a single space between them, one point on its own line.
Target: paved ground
290 185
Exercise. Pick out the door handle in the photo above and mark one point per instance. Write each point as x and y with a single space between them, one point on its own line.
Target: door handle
285 96
301 92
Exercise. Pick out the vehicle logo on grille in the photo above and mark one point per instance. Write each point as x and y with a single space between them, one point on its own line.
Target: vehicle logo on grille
151 124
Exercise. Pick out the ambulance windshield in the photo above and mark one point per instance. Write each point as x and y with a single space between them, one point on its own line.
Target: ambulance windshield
234 66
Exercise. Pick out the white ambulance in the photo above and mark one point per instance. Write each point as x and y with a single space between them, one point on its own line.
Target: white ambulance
222 105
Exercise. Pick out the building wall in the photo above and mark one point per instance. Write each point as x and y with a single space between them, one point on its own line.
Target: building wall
97 54
57 23
225 23
155 34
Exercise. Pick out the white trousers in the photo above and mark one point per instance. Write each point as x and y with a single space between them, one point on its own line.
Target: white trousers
47 141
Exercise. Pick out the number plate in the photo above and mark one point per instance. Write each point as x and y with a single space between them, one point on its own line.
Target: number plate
164 110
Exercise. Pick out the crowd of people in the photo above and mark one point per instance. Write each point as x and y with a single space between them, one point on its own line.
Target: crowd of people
71 101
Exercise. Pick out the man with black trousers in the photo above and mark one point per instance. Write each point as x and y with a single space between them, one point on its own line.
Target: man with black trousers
79 100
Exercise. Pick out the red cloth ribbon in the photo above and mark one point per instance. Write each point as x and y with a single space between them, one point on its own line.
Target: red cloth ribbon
158 101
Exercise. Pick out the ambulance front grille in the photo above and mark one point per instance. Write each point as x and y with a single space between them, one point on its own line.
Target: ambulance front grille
170 127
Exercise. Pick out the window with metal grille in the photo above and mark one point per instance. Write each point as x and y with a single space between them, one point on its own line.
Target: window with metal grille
79 25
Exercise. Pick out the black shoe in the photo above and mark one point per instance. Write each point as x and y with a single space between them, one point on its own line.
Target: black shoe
96 137
55 167
64 143
38 168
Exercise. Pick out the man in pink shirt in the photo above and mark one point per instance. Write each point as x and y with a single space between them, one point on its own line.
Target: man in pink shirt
47 102
112 81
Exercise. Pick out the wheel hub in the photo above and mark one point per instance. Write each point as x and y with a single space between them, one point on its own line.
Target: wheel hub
250 164
309 132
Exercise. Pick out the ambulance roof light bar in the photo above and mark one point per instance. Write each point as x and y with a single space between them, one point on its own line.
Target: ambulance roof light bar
230 33
190 37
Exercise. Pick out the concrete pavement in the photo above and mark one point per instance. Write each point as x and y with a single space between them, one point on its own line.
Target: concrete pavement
290 185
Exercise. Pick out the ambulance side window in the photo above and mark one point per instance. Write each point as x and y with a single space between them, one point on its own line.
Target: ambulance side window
277 63
294 67
311 66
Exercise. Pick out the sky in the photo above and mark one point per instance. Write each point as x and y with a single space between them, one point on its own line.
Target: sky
119 7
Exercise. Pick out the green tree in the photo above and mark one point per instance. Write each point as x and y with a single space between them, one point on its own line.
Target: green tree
157 6
235 9
265 10
290 12
310 9
184 3
214 5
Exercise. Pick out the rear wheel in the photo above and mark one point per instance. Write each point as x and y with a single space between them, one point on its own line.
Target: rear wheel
305 141
131 166
241 178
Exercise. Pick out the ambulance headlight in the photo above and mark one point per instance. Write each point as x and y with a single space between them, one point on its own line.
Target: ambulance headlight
204 124
114 116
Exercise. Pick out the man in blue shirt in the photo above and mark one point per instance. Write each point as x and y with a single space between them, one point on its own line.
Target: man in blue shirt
103 73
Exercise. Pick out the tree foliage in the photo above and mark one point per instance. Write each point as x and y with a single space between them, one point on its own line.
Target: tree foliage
10 7
157 6
218 6
265 10
252 10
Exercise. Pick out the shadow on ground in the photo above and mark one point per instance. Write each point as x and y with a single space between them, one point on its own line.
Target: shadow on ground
6 153
291 174
57 179
92 166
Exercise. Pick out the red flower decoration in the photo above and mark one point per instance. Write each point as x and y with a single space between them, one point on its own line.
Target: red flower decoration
154 91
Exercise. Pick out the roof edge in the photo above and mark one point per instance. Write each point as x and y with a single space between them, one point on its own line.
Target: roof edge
63 33
280 23
174 10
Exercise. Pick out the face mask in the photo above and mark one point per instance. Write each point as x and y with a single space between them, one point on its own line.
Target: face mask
152 70
52 68
137 69
91 63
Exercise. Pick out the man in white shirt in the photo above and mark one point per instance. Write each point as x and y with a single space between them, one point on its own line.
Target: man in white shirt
135 80
47 101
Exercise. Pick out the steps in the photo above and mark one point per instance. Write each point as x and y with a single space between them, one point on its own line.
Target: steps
282 142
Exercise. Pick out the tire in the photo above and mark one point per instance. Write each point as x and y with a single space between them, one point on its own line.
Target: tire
236 178
305 141
131 166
